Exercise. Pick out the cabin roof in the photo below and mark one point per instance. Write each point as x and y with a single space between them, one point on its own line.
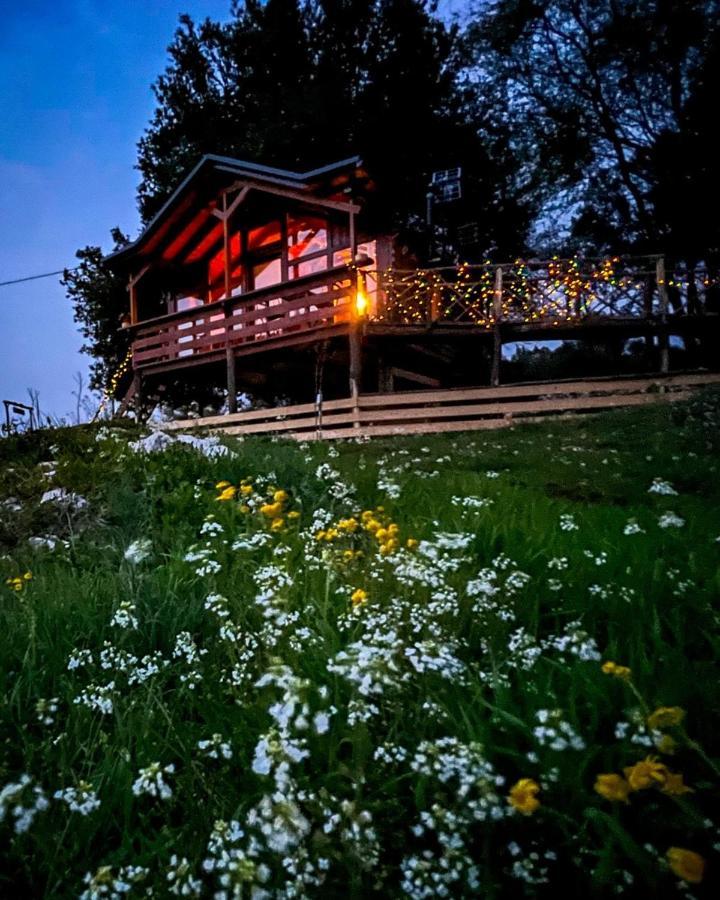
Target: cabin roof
213 169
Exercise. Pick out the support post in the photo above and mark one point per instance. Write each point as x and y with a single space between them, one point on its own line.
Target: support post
353 237
132 281
133 302
663 339
355 337
231 386
497 337
226 247
139 396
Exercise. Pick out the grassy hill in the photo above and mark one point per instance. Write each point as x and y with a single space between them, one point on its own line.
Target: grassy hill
463 665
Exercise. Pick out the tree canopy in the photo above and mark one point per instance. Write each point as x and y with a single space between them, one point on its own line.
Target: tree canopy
609 107
299 84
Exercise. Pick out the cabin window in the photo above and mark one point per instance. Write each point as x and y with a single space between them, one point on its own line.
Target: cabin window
183 303
306 236
309 267
342 257
267 273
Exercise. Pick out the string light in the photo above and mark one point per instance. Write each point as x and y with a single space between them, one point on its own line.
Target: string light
112 387
555 292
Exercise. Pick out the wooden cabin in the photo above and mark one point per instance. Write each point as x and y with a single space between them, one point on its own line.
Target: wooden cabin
261 280
255 279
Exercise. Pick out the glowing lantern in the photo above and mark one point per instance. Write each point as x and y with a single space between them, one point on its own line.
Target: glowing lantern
361 303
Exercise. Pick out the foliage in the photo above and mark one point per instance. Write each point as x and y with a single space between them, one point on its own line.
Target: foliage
378 669
99 299
610 103
299 84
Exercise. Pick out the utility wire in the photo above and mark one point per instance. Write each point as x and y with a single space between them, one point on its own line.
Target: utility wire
34 277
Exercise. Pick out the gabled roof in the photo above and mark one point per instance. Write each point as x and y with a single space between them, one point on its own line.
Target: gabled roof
212 166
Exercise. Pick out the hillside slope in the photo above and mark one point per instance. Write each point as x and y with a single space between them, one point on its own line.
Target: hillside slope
465 665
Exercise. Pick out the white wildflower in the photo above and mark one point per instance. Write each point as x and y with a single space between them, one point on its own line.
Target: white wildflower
151 781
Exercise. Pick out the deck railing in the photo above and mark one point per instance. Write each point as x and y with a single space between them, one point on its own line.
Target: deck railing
313 303
553 291
559 290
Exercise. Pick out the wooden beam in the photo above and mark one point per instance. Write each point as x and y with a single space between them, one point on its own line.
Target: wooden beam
225 213
395 372
132 281
231 384
497 337
226 247
663 338
309 200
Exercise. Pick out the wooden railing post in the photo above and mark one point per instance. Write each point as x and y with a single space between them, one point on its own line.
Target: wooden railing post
497 337
663 338
231 385
355 337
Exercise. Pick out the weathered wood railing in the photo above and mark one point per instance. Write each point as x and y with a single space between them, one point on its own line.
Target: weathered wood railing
560 290
556 292
465 409
312 303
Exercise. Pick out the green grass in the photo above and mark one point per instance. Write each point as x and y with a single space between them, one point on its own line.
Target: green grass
405 792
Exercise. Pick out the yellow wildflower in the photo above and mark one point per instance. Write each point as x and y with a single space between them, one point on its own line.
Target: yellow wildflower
611 668
523 796
221 485
665 717
228 493
646 774
271 510
674 785
294 514
277 524
27 576
612 787
686 864
246 490
411 543
358 597
393 529
244 508
381 534
320 536
280 496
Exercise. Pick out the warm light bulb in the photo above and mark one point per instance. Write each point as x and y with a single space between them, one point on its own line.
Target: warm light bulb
361 303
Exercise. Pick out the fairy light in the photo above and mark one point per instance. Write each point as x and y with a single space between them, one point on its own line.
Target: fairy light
112 387
555 292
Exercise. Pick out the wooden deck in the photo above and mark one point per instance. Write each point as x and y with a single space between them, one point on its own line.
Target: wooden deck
558 300
306 309
426 412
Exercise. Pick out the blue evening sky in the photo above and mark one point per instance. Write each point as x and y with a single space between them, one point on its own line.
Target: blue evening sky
75 96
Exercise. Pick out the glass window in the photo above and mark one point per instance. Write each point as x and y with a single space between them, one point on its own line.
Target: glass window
267 273
306 235
308 267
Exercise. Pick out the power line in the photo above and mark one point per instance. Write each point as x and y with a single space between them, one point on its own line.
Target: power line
34 277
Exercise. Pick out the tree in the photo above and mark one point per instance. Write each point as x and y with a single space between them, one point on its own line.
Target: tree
601 98
300 83
99 300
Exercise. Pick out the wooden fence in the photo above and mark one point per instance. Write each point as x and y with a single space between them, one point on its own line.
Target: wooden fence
425 412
